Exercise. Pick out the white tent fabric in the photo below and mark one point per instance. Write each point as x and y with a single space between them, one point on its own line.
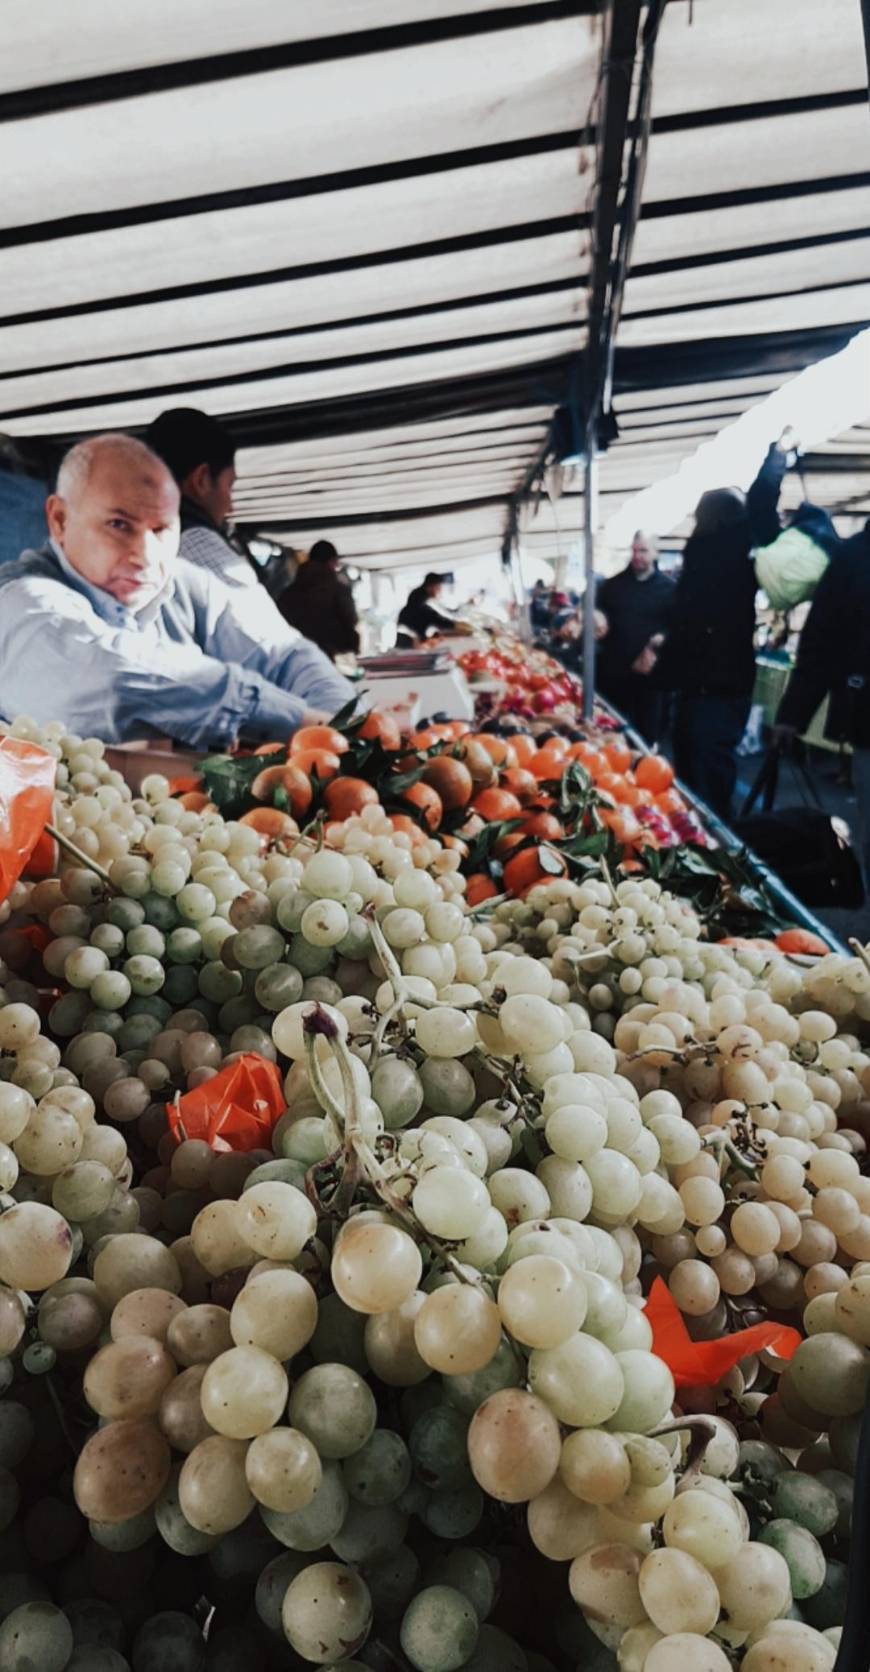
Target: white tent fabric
132 152
356 231
360 232
145 33
752 257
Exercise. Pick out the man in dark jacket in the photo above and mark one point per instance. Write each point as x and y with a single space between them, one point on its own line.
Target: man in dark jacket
709 655
834 659
637 605
319 603
201 454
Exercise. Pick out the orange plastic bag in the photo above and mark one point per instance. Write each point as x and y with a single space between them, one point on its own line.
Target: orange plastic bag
702 1364
26 793
237 1110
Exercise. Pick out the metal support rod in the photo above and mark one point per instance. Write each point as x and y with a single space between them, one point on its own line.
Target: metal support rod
590 520
631 203
524 622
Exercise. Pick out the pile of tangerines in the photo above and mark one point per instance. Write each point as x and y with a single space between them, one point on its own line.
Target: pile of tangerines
515 805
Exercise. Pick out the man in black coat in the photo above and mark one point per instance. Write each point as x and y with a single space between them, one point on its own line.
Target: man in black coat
637 604
834 659
709 655
319 602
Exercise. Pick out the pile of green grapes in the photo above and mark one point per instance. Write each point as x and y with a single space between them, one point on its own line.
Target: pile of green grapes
384 1394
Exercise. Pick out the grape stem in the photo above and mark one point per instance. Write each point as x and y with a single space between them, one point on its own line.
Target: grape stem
608 878
860 952
726 1147
395 1013
83 858
483 907
394 975
379 1181
402 994
347 1120
702 1431
359 1157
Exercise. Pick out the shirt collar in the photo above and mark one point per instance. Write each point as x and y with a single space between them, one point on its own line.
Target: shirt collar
105 606
196 516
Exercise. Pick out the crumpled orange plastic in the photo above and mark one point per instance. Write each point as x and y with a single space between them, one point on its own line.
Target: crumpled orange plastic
236 1110
703 1363
26 792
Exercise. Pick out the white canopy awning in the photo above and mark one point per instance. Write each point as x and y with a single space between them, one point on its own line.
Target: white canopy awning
752 254
356 231
360 233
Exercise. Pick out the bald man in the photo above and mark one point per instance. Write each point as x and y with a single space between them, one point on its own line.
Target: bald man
109 630
637 604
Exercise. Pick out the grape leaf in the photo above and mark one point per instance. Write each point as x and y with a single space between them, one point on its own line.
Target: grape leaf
549 860
228 778
481 846
399 781
347 718
586 847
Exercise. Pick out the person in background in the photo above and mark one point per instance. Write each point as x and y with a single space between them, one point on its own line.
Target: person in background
319 602
636 605
420 615
539 610
708 658
560 611
834 659
109 630
201 455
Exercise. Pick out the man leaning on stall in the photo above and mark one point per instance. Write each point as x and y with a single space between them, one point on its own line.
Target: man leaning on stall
109 629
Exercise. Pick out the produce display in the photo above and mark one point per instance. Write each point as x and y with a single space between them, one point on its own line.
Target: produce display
384 1371
510 679
517 805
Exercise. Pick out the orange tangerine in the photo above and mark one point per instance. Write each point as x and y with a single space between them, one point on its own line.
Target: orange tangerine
319 737
654 773
408 827
498 748
429 803
525 869
345 796
524 747
452 779
544 826
495 803
618 754
271 822
480 887
379 724
325 762
522 783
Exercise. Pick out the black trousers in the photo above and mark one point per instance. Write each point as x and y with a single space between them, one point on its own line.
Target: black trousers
707 731
644 707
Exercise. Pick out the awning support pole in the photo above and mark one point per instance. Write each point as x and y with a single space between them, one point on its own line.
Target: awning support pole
590 521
